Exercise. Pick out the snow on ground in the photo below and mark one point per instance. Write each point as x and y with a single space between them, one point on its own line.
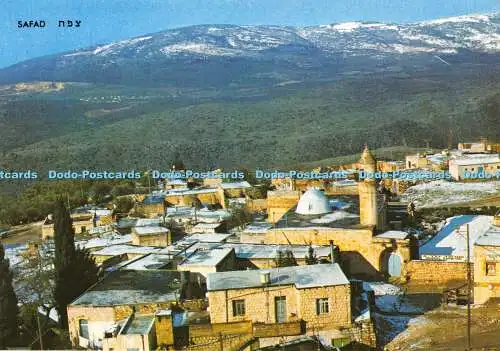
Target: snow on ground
396 303
390 298
381 288
441 192
390 326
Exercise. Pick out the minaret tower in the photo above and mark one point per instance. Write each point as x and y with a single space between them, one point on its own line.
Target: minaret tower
368 190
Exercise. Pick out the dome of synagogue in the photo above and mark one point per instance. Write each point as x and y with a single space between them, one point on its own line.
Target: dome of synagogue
313 202
367 157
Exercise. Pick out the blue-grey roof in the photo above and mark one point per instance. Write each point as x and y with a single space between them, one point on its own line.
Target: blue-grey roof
130 287
490 238
308 276
139 324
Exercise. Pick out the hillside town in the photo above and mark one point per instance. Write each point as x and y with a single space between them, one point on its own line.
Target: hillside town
371 261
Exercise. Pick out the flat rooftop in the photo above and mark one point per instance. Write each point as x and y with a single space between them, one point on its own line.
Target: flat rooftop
211 257
344 214
301 277
120 249
139 324
150 261
151 230
451 239
490 238
130 287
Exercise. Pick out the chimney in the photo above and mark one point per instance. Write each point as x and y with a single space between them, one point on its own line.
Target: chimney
496 219
265 278
332 252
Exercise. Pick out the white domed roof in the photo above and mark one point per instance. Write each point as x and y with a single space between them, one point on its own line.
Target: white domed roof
313 202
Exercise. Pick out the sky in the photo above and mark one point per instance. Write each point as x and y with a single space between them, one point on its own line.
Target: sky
104 21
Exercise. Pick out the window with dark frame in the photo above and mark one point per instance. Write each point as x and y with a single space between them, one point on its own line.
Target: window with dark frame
84 328
491 268
238 308
322 306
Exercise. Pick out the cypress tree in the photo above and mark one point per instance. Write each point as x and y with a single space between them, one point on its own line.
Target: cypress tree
75 268
64 236
311 257
284 259
8 304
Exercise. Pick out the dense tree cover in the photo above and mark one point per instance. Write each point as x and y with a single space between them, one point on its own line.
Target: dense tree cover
285 126
75 269
35 200
8 305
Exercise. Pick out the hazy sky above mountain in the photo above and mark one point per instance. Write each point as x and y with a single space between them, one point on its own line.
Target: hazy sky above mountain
109 20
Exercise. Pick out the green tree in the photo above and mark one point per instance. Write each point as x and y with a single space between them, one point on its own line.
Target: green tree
240 216
100 192
123 205
311 257
8 304
75 269
177 162
284 259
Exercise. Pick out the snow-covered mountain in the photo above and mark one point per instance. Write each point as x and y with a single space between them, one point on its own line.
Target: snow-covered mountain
340 47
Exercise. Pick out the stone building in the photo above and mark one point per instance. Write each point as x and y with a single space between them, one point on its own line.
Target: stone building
151 206
118 296
475 168
354 223
318 295
151 236
82 223
487 263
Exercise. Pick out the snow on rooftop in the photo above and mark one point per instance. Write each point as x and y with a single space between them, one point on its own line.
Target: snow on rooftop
308 276
490 238
129 287
235 185
333 217
150 261
451 239
476 160
113 239
206 226
261 251
151 230
208 237
393 234
207 257
257 227
177 192
145 222
120 249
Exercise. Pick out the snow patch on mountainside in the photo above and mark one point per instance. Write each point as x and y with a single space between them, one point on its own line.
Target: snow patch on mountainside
480 33
199 48
458 19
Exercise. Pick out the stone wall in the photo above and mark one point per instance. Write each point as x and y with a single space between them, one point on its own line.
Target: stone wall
339 298
300 305
150 210
98 320
259 304
361 253
161 239
227 342
279 202
436 272
363 333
